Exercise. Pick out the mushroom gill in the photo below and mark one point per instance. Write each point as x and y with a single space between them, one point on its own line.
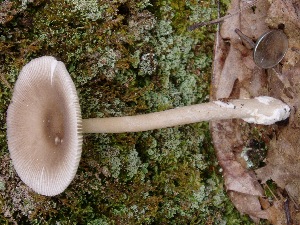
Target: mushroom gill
44 126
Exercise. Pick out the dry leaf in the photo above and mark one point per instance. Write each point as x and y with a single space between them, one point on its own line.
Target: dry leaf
236 76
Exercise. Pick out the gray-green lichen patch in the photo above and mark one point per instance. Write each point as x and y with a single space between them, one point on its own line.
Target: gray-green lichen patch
2 184
126 57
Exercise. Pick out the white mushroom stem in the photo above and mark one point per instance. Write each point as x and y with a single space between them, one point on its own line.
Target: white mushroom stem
261 110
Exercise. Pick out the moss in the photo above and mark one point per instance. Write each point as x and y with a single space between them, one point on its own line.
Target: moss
126 57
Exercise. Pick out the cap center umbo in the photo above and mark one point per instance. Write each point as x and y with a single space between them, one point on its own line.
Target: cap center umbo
54 127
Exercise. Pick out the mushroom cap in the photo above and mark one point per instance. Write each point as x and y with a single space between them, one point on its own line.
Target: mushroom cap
44 126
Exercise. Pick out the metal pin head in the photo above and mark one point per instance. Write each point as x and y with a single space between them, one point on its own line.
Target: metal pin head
270 49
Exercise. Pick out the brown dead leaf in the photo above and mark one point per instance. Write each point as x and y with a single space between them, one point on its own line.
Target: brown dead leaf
276 214
287 12
236 76
248 205
237 178
233 61
293 190
283 160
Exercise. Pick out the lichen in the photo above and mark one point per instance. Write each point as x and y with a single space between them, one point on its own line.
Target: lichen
89 9
126 57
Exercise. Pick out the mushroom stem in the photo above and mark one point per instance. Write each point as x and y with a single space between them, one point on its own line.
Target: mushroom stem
261 110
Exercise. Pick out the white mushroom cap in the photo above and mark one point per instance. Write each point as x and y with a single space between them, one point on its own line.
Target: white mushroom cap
44 126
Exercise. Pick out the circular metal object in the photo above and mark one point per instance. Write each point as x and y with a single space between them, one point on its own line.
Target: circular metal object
270 49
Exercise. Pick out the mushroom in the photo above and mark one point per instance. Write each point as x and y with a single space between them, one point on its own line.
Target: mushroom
44 124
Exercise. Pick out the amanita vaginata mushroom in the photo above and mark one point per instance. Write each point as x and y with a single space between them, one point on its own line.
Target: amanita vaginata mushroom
44 124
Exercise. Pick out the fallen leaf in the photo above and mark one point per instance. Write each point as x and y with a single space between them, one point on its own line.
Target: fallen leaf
235 75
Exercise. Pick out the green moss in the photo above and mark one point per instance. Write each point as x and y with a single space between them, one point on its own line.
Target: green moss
126 57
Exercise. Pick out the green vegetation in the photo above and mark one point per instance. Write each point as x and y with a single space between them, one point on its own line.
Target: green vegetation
126 57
